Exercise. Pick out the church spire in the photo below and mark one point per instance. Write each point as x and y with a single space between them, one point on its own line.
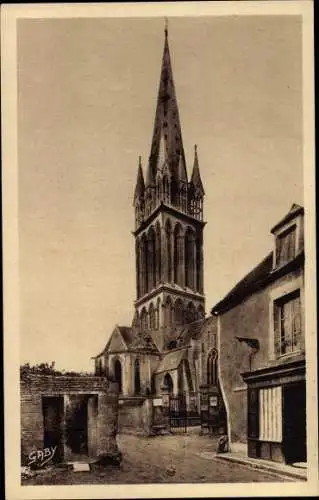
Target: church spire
196 181
167 123
140 186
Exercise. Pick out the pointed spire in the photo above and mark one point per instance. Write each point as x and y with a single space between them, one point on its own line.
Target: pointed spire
196 180
140 186
166 122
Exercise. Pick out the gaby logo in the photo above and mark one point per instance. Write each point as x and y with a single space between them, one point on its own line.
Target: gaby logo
41 457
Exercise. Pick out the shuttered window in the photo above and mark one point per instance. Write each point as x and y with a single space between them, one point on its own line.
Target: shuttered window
286 246
270 414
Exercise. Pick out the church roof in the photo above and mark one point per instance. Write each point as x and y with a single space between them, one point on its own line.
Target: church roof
171 360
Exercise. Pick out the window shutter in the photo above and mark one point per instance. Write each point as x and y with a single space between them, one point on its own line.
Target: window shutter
253 413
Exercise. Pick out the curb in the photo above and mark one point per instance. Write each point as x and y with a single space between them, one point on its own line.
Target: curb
265 467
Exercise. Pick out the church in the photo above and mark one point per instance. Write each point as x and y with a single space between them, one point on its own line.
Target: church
170 344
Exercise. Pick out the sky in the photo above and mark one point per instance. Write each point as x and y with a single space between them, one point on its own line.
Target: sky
87 92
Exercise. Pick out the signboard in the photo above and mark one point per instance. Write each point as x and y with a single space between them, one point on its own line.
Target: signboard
157 402
213 401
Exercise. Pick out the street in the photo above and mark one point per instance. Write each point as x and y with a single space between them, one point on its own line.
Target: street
163 459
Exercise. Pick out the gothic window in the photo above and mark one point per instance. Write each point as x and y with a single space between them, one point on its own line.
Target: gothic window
118 373
158 254
189 258
152 316
190 313
151 259
137 257
168 231
144 322
179 312
144 266
178 254
212 368
157 314
168 312
198 285
137 377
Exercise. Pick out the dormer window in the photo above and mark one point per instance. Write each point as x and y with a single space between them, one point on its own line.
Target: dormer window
286 245
288 237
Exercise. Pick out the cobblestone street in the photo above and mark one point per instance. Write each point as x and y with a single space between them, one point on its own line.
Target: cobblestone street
163 459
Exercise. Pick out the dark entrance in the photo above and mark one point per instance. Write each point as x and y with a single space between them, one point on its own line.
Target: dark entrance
294 419
77 425
52 408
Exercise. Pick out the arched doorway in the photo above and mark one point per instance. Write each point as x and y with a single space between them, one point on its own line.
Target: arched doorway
118 373
168 382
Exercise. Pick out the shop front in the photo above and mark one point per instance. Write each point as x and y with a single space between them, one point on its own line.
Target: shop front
277 413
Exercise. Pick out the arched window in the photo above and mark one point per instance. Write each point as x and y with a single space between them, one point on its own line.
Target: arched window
157 314
138 277
118 373
179 312
178 255
190 259
168 312
143 265
168 382
212 367
158 271
151 313
151 259
144 322
137 377
190 313
168 231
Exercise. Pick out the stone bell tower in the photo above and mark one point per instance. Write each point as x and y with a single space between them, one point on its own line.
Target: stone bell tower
168 222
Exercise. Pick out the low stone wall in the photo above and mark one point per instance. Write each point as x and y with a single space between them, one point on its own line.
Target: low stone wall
97 395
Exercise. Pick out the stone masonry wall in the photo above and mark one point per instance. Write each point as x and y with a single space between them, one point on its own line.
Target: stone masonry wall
102 397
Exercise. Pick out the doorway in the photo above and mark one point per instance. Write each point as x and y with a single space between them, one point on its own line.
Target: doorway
294 422
76 425
52 409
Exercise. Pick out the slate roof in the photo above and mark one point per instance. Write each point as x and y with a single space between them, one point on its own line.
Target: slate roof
171 361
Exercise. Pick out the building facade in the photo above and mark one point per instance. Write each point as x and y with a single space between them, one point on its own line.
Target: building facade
262 349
